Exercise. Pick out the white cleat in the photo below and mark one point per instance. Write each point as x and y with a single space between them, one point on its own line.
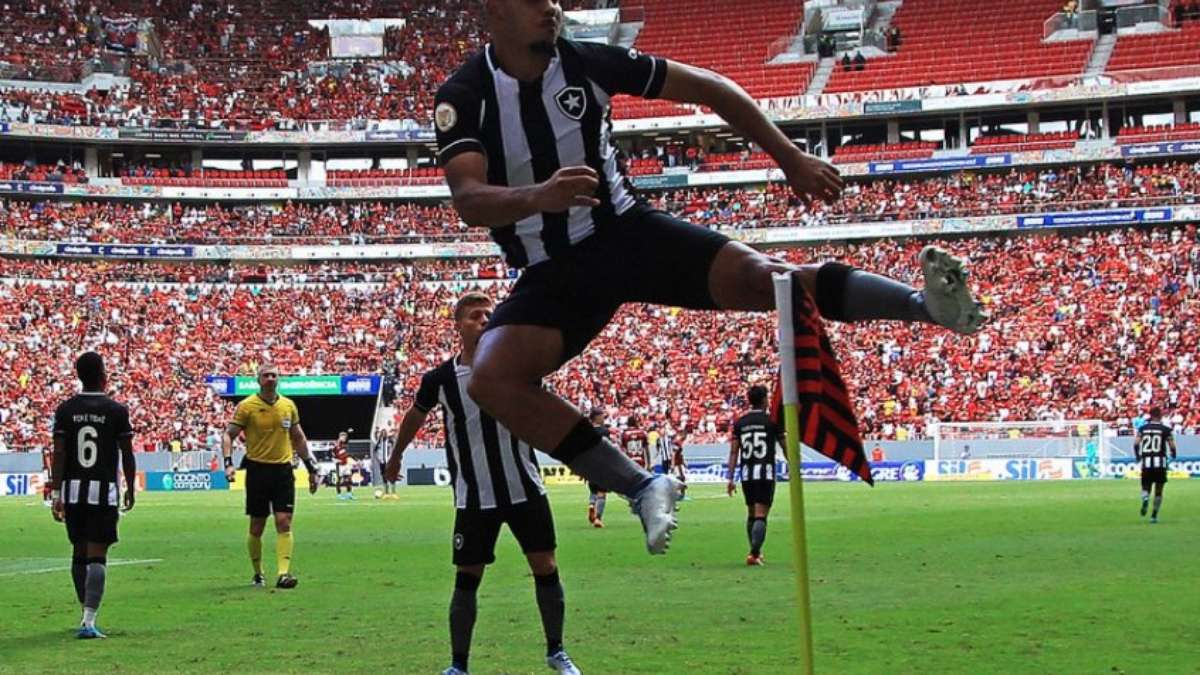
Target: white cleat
655 505
454 671
560 662
947 297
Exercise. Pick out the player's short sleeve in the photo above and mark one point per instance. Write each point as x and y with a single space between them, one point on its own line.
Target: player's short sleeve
293 412
60 420
623 71
123 428
456 120
427 393
241 415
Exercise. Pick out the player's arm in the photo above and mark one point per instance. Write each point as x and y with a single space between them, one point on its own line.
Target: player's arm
808 176
1137 446
232 430
413 420
483 205
1171 445
129 467
735 449
300 447
59 467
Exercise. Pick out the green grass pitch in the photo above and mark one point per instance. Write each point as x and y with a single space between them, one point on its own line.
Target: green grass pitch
907 578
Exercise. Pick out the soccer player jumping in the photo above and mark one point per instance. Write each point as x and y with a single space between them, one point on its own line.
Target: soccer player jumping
526 144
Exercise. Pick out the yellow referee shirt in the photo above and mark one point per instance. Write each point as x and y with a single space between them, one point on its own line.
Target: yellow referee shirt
267 428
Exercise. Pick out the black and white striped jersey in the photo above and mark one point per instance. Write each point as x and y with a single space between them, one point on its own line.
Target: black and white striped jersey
489 467
1152 442
90 426
529 130
757 436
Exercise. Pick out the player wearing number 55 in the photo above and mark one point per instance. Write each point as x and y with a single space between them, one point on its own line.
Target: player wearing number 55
88 430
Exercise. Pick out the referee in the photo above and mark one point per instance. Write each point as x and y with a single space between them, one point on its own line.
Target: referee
272 426
525 139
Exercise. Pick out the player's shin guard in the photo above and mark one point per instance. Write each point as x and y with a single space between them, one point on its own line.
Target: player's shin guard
758 534
97 569
284 542
600 501
79 577
848 294
552 606
599 461
254 547
462 618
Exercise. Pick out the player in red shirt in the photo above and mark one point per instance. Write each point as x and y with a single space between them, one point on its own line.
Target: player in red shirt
341 465
634 442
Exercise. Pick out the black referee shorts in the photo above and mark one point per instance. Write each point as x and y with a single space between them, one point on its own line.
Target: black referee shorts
1152 477
95 524
476 530
646 256
270 488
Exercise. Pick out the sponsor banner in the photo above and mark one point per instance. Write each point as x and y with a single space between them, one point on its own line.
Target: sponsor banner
186 481
185 135
952 164
660 181
31 187
21 484
125 251
1090 218
299 385
428 476
401 135
888 107
1128 467
559 474
998 469
1179 148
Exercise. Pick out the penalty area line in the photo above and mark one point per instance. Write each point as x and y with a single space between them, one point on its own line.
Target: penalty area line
63 568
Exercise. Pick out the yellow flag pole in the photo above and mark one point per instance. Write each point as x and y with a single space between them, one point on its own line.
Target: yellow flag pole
787 365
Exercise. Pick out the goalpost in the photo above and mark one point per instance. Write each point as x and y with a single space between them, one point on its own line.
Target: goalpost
1077 439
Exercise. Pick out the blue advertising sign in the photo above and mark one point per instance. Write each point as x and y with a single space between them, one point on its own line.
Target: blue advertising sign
31 187
186 481
950 164
124 251
1091 218
401 135
1145 149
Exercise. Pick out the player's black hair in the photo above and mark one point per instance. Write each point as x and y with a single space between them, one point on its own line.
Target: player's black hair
90 369
757 396
595 413
1155 413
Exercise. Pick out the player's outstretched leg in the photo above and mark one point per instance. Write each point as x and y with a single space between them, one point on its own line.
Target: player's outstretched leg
79 573
1158 498
97 572
1145 500
601 500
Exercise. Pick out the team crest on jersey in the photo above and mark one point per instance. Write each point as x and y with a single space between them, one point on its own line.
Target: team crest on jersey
571 102
458 542
445 116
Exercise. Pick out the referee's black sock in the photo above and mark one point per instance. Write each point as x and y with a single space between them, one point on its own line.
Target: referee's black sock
552 606
847 294
597 460
462 618
758 534
79 576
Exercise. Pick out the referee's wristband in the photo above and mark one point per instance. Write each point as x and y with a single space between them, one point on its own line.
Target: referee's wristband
308 465
228 462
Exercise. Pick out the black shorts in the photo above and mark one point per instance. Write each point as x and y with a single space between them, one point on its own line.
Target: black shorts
476 530
646 256
595 489
758 492
270 488
1153 477
91 524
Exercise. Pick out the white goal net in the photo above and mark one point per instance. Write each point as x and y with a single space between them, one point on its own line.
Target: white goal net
1077 439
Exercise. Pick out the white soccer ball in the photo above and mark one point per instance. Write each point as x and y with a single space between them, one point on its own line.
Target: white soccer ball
378 493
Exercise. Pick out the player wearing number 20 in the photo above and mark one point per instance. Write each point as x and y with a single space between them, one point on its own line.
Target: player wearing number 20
755 437
89 429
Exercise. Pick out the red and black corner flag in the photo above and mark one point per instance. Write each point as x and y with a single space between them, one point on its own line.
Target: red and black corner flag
827 421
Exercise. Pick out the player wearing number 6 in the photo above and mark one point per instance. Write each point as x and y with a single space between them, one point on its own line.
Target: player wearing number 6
755 438
88 430
1150 447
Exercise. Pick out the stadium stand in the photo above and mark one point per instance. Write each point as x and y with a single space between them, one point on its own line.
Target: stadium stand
952 42
1024 142
846 154
1159 50
1159 134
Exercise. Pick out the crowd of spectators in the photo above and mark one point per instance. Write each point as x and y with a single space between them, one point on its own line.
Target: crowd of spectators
1073 188
59 172
1083 326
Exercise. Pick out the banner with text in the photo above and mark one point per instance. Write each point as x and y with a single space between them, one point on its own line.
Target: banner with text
299 385
998 469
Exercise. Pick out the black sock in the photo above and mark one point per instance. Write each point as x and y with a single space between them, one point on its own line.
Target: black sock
94 591
600 462
552 606
462 618
750 530
758 534
848 294
79 576
1157 504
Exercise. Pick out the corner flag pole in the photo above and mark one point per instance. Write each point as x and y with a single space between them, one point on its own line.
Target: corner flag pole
787 366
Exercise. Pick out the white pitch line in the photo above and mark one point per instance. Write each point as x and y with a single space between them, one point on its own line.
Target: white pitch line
64 568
